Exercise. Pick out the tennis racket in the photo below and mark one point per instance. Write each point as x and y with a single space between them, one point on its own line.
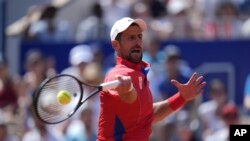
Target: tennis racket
47 107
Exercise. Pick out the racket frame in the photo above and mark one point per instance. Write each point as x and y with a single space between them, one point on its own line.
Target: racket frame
80 102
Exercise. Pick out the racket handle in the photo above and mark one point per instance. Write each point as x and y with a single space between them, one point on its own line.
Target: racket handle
110 85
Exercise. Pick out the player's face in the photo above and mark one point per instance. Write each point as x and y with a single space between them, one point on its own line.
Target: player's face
130 44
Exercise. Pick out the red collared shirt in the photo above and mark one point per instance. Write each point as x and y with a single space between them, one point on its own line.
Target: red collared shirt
120 121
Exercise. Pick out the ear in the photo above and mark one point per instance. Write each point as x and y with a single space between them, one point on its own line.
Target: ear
115 44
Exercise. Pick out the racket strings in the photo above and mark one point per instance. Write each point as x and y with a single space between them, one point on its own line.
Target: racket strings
48 107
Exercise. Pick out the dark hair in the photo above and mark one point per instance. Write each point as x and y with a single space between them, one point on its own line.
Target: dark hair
216 84
118 36
97 10
48 12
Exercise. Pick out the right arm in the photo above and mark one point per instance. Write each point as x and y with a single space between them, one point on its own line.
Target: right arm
126 89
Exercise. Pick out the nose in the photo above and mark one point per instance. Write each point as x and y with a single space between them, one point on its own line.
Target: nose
139 41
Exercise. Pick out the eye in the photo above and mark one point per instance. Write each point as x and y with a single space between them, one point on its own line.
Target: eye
131 37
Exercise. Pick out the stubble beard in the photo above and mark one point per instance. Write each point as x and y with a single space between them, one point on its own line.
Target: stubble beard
133 59
136 58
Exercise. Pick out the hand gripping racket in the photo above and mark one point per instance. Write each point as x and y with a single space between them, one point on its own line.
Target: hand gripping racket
46 103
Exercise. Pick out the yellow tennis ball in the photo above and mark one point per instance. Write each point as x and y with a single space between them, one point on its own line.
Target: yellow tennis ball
64 97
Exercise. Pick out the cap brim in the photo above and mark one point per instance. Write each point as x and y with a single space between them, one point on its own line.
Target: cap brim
141 24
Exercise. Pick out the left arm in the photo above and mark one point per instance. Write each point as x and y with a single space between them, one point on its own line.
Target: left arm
187 92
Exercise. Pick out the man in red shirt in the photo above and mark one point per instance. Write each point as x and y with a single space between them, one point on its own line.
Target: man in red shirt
128 112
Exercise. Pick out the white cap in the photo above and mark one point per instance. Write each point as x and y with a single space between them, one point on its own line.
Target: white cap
79 54
122 24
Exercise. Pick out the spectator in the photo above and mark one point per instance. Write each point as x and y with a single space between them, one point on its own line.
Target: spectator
82 67
174 66
35 64
32 16
155 57
8 89
93 75
185 127
93 28
226 23
245 29
181 129
5 134
48 28
152 53
140 9
9 108
179 18
79 57
230 116
210 112
157 8
36 73
208 8
41 131
82 129
113 10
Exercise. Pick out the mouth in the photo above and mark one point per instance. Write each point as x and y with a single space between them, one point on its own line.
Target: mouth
135 55
137 51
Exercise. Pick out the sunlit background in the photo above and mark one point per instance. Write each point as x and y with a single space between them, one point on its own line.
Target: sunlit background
211 37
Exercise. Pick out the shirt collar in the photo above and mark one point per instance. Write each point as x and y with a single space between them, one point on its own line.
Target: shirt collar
135 66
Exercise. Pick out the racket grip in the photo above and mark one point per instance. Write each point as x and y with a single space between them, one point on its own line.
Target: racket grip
110 85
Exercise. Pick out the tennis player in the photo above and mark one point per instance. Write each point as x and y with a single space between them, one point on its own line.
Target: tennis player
128 112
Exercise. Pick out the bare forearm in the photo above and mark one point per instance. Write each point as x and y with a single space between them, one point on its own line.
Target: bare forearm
161 110
164 108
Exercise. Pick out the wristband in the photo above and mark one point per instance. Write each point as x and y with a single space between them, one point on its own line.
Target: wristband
176 101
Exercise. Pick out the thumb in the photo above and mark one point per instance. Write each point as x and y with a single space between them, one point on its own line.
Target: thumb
176 83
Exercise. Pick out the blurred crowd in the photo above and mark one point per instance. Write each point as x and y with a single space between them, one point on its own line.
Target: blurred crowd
166 19
199 120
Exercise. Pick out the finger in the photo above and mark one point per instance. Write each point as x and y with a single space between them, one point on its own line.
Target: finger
192 78
123 77
198 80
119 77
176 83
125 80
202 85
